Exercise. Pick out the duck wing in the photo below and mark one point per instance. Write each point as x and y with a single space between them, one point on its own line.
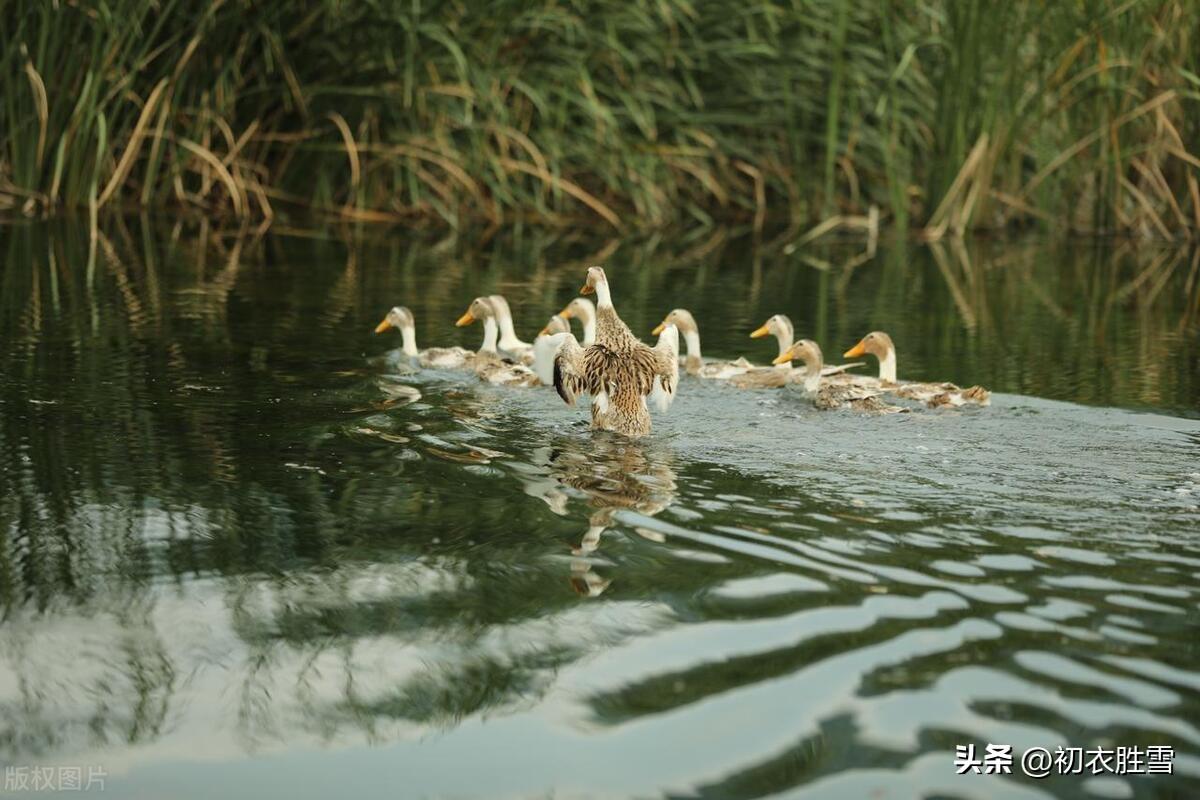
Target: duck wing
571 369
838 369
666 369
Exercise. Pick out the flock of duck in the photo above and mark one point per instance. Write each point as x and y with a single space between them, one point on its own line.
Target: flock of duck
624 376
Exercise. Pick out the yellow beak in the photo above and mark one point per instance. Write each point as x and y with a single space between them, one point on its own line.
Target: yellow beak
465 319
566 312
383 326
856 351
544 331
659 329
759 332
783 357
587 289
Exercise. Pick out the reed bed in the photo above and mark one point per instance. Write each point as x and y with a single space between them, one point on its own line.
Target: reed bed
939 115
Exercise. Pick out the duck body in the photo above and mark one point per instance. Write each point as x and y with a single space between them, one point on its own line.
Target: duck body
500 371
832 396
619 371
942 395
445 357
763 378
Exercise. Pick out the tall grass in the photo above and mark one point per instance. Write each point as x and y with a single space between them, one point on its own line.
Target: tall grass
946 115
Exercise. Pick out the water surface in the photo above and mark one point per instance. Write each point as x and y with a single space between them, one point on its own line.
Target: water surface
245 550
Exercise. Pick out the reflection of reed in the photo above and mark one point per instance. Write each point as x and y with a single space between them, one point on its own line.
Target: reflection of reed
1011 315
119 462
103 677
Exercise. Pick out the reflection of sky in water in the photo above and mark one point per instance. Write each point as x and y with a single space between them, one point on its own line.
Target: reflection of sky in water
243 558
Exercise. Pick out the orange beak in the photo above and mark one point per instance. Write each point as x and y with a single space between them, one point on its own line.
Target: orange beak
587 289
566 312
759 332
465 319
659 329
856 351
383 326
544 331
783 357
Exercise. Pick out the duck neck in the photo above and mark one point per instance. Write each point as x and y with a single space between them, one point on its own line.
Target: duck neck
490 334
887 366
409 334
784 336
812 375
508 335
588 319
603 296
692 339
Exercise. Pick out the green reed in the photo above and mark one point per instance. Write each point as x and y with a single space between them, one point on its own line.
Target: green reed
947 116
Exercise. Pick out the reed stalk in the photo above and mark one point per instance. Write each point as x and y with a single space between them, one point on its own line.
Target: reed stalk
625 115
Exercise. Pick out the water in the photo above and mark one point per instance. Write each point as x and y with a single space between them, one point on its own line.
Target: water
245 553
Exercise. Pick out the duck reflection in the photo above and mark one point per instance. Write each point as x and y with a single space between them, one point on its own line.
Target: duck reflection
612 473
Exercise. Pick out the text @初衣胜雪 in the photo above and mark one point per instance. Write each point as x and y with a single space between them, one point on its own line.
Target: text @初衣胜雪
1041 762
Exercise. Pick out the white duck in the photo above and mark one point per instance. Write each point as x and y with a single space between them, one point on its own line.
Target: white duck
782 373
880 345
838 390
488 363
442 357
695 364
780 327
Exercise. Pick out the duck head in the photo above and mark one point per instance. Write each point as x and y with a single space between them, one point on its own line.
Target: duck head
780 327
809 352
582 309
557 324
481 309
597 283
878 344
681 318
401 319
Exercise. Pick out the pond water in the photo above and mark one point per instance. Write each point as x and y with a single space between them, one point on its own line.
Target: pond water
246 552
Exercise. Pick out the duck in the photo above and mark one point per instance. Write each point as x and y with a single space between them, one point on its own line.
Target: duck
838 390
695 364
546 345
779 326
488 363
619 371
509 343
401 318
582 309
934 395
